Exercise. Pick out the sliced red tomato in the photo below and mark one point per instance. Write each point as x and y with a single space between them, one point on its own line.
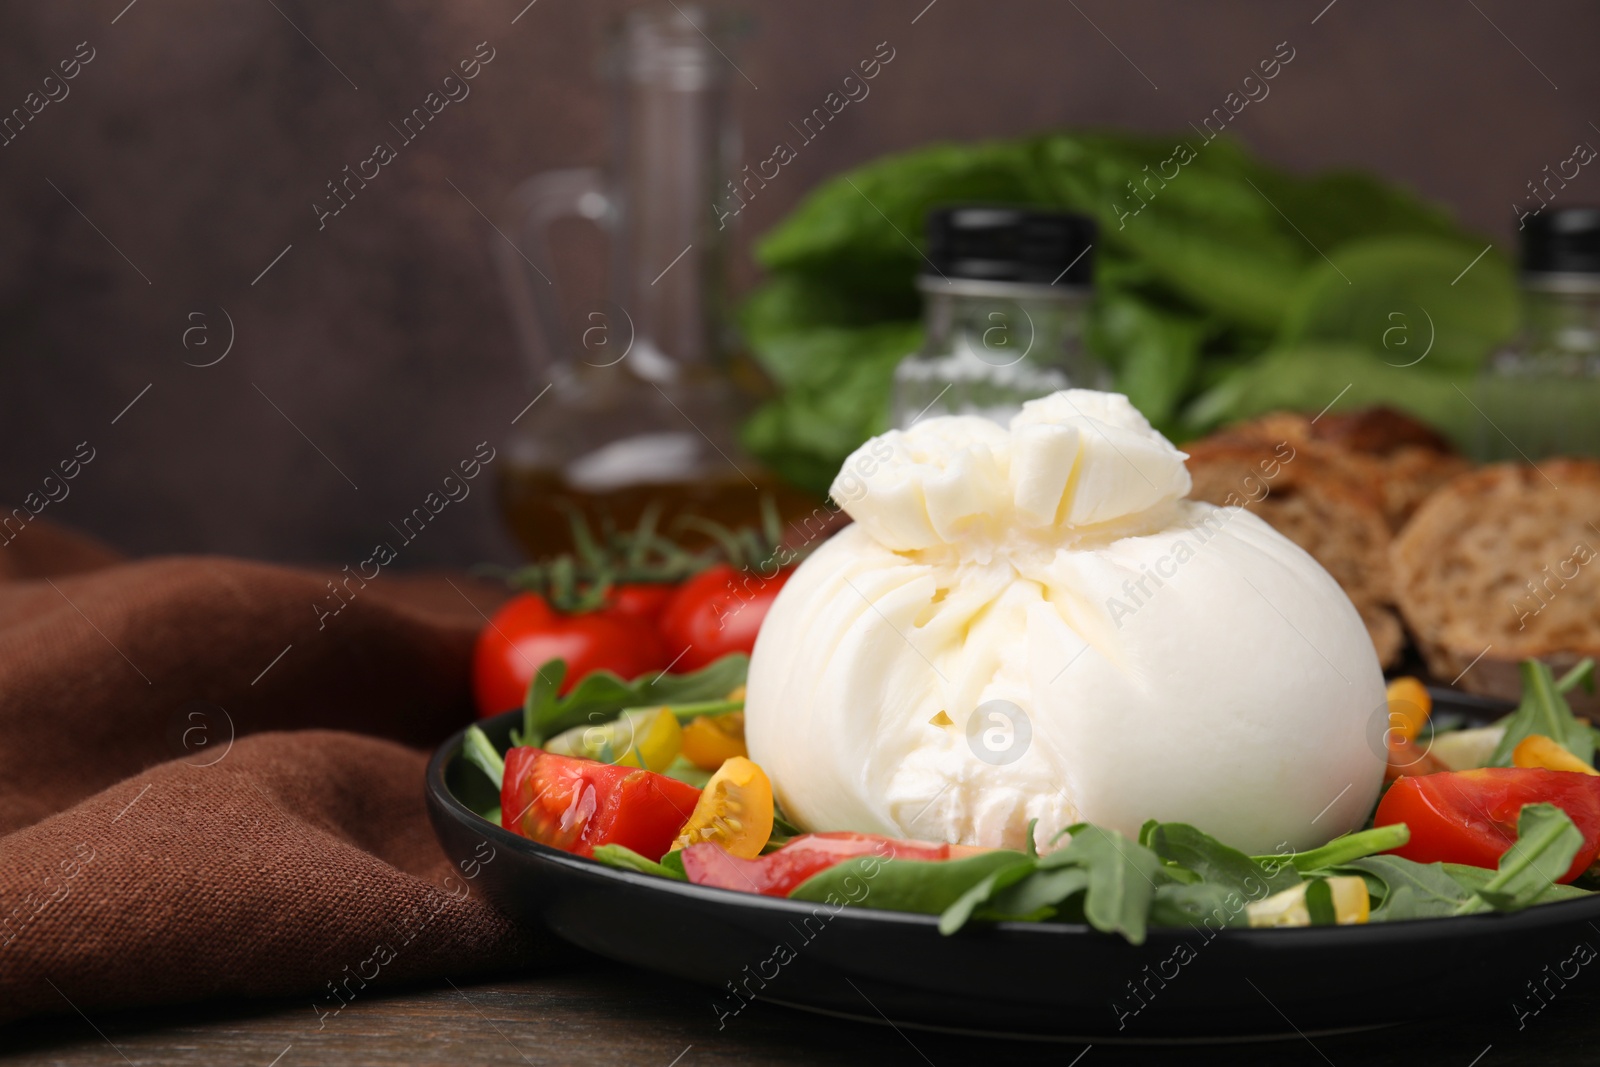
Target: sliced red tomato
576 804
526 632
716 612
777 873
1471 816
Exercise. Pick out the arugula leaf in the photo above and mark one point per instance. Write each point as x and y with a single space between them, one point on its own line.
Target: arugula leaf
1409 890
1038 894
781 824
478 750
1319 903
539 703
1185 905
1543 711
1474 878
673 862
685 771
961 909
1215 862
1123 876
1582 674
903 885
1346 847
602 696
1547 841
629 860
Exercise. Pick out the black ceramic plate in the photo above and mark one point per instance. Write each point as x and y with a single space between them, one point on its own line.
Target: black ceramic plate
1014 979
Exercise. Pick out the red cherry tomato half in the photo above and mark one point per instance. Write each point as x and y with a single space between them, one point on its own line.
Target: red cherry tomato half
526 632
1471 816
577 804
778 873
716 612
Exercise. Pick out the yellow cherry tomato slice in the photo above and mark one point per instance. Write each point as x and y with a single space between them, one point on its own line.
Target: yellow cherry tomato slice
644 737
1409 708
651 742
1537 750
711 740
734 811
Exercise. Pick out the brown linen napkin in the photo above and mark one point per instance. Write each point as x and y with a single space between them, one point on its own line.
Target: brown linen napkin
189 809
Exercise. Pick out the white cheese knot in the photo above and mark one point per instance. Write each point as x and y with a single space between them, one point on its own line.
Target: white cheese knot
1033 624
1070 462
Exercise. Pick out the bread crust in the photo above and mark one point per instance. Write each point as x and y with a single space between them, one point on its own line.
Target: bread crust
1399 458
1502 564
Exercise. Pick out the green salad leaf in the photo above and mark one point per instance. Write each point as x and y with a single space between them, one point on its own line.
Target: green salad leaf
602 696
629 860
903 885
1195 904
1581 674
478 750
1122 878
1546 843
1403 889
1545 711
1037 904
1474 878
1032 895
1346 847
1319 903
1216 863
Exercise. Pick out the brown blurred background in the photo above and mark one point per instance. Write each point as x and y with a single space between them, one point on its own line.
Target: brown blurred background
200 134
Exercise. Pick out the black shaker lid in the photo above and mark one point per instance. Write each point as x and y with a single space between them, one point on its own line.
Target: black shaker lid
1562 241
1011 244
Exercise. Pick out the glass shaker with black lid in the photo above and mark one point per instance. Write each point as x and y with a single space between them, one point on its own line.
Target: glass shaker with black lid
1004 296
1541 393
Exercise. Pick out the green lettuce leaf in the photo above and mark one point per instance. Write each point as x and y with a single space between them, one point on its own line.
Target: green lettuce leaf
601 696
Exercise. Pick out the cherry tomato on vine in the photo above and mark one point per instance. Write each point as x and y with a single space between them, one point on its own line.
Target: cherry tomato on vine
526 632
716 612
644 601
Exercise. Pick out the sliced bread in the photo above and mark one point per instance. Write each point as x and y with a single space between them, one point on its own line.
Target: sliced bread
1503 564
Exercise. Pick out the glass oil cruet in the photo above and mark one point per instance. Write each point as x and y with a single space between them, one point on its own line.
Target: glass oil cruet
641 410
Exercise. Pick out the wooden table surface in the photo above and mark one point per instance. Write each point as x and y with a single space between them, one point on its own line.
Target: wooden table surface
594 1012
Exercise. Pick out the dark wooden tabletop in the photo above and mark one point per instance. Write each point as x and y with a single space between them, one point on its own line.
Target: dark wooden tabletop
594 1012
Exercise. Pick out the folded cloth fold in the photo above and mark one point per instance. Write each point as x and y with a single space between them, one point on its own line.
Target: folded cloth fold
188 805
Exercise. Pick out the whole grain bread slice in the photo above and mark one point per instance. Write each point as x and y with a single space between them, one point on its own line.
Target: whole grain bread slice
1400 459
1503 564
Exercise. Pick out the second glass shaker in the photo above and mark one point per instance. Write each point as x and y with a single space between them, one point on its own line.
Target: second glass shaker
1004 296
